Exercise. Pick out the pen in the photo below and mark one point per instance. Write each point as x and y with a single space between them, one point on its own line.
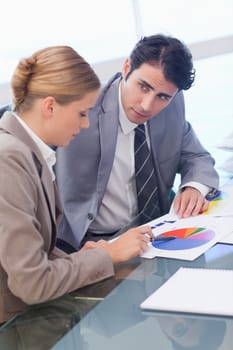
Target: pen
161 238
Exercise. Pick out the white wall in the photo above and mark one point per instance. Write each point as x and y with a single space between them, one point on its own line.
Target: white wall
105 69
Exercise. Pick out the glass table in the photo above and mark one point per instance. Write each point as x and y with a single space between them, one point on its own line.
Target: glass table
107 315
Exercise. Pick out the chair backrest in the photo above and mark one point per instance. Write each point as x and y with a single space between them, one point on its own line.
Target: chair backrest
4 108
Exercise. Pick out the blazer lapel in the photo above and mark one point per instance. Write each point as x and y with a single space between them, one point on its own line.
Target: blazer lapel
11 125
48 187
108 128
58 207
156 128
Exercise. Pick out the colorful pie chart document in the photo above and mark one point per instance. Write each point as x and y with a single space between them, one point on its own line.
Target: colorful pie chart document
187 238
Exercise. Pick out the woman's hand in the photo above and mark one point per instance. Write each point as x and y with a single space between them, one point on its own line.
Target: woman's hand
130 244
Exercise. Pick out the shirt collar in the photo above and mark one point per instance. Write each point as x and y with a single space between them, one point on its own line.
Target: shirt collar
47 152
126 125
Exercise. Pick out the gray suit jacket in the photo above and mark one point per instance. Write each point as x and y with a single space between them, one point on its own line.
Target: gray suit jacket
83 168
32 269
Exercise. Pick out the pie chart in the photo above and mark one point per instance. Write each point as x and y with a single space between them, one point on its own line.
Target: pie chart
186 238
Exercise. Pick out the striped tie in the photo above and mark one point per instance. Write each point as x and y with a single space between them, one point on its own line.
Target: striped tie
146 184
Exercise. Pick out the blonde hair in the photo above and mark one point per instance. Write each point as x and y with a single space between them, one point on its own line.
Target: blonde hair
57 71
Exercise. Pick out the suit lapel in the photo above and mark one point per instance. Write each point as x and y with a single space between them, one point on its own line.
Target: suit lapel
58 208
11 125
108 128
157 130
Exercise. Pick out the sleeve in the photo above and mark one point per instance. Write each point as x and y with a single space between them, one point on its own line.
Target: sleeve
32 275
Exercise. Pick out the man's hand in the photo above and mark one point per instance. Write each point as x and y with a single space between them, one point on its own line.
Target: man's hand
189 202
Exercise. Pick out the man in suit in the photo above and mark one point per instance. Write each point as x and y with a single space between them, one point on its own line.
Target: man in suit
95 174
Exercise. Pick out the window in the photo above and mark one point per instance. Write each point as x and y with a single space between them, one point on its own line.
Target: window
98 30
190 21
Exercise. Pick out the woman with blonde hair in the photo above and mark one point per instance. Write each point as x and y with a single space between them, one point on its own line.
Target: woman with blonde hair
53 91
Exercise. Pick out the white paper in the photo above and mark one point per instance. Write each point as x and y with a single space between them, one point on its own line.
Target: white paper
227 143
228 239
195 290
227 165
223 205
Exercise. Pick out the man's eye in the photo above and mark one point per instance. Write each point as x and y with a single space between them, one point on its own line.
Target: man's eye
83 114
143 87
164 97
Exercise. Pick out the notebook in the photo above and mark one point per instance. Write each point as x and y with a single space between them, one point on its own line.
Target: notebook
195 290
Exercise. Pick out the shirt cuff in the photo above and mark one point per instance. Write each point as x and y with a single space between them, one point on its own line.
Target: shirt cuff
200 187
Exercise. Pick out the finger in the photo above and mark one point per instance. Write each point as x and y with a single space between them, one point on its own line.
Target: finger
205 205
146 230
143 247
201 205
89 245
186 206
176 203
198 206
146 238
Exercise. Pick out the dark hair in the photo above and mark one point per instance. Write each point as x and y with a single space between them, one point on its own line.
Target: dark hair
170 54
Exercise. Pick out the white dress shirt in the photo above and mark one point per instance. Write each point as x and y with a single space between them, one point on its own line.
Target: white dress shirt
119 205
48 153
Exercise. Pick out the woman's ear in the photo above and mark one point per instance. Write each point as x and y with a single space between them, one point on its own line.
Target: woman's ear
48 105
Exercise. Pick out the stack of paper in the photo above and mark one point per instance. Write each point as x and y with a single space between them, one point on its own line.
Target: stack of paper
195 290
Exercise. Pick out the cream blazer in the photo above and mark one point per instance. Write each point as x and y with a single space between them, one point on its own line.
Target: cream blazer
32 269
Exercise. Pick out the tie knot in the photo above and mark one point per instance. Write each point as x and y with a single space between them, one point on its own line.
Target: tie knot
140 128
140 133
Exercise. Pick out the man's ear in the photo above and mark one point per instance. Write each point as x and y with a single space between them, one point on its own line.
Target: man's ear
48 105
126 68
